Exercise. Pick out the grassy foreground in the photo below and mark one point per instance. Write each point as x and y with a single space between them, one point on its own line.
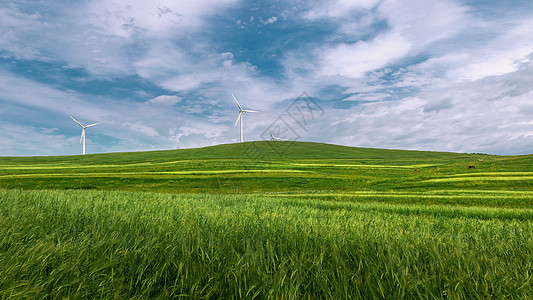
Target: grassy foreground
104 244
277 220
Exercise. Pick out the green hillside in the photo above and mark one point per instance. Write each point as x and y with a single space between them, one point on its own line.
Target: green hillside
270 167
274 150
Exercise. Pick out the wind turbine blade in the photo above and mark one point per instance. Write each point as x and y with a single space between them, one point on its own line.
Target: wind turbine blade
76 121
82 135
247 110
92 124
238 118
240 108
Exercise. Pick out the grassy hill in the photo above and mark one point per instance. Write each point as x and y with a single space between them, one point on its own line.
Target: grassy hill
265 149
270 167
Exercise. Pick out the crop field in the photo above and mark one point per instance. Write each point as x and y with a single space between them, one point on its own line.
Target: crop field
291 221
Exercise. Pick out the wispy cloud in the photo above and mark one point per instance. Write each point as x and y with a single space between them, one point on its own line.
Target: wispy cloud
166 100
271 20
355 60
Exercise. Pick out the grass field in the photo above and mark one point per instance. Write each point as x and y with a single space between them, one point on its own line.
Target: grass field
270 167
267 220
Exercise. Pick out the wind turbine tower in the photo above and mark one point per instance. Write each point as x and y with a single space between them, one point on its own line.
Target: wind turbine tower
240 117
82 139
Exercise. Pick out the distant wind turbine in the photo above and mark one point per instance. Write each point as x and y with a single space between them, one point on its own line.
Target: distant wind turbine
273 138
82 139
241 112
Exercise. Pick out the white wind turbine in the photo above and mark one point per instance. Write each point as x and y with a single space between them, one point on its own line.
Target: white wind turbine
273 138
241 112
82 139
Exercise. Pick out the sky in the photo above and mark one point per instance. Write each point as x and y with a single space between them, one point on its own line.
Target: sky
437 75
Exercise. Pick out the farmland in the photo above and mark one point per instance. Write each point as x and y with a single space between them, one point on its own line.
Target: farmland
267 220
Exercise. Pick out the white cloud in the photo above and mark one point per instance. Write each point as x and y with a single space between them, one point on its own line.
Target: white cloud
18 140
142 128
507 52
492 115
422 22
354 60
189 81
16 27
502 55
413 26
106 37
339 8
271 20
162 59
227 59
496 64
163 17
20 91
166 100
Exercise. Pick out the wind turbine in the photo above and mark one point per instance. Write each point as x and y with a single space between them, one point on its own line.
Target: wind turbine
241 112
273 138
82 138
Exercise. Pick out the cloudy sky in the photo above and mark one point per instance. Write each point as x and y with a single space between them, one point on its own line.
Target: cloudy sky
402 74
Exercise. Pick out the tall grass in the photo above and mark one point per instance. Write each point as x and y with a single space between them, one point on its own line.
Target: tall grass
99 244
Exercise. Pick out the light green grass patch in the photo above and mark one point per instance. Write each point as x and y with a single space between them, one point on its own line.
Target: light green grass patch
479 178
155 173
416 166
494 174
80 166
429 195
481 192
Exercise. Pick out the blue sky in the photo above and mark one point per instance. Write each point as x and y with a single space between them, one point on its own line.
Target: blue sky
420 74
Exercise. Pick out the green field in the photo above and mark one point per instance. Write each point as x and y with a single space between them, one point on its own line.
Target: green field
271 167
267 220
